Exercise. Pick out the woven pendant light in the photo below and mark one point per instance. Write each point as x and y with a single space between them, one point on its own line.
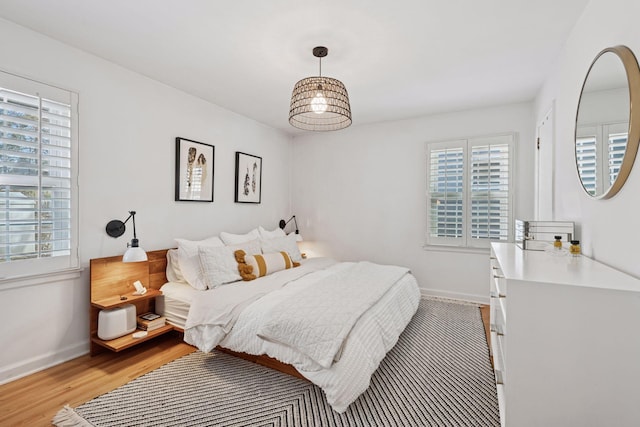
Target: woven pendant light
320 103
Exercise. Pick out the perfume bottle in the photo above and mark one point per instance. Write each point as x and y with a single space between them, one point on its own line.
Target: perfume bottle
557 244
574 249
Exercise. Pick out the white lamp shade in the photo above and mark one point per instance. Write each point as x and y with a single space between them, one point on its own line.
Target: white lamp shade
298 237
134 254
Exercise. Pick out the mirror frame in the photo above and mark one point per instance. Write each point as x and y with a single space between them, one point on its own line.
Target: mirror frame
633 139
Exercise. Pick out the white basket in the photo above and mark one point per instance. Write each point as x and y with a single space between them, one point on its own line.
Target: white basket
116 322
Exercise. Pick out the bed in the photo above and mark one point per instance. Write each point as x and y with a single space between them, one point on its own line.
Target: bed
287 320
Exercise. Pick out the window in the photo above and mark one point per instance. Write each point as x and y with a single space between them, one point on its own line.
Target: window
38 177
599 153
586 160
469 196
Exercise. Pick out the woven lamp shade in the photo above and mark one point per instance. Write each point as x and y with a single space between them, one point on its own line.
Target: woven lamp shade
338 111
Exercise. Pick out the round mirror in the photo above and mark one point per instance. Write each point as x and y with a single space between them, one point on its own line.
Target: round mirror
607 126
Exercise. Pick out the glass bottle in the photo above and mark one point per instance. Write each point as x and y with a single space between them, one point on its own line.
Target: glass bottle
557 244
574 249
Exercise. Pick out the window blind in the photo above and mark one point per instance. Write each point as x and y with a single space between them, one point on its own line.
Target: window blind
469 196
490 192
446 191
586 159
616 147
599 153
37 209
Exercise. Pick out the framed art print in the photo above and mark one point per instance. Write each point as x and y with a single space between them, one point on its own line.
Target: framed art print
194 171
248 178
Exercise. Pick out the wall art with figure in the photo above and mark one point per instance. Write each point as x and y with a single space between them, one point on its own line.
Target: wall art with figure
248 178
194 171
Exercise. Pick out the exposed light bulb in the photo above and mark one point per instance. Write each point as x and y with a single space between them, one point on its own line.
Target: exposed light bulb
319 103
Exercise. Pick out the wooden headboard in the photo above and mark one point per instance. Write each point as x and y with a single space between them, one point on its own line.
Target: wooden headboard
111 276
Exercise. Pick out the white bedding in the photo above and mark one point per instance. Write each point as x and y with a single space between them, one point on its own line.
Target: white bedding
317 320
175 302
214 313
372 336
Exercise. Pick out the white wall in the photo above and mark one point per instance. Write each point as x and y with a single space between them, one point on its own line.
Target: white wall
608 228
604 107
359 194
128 125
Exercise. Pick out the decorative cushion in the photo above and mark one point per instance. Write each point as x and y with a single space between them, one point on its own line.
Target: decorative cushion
253 266
218 264
266 235
287 244
189 260
234 239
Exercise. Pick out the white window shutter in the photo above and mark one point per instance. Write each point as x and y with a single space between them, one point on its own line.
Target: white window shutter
616 135
490 196
586 159
469 194
446 193
37 178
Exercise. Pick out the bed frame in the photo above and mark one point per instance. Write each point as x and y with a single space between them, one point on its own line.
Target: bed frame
110 276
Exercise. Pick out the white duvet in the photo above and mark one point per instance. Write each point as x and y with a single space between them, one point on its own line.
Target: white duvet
232 319
316 321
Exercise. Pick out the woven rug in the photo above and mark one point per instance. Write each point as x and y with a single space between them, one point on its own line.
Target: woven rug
438 374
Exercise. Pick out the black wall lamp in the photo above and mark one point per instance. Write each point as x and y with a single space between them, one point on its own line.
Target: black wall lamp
116 228
284 223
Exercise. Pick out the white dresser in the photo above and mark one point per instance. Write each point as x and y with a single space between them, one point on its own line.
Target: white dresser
565 340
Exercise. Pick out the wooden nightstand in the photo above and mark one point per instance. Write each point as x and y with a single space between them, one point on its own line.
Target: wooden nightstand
111 279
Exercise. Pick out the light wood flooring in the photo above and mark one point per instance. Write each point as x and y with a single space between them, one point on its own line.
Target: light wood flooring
34 400
485 311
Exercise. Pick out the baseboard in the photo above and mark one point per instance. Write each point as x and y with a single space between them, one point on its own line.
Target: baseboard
459 296
39 363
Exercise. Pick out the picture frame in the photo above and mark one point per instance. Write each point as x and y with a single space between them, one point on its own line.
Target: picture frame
248 178
194 171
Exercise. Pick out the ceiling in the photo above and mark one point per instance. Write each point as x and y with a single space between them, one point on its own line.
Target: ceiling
398 59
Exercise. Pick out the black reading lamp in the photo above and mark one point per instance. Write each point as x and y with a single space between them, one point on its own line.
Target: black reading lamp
116 228
284 223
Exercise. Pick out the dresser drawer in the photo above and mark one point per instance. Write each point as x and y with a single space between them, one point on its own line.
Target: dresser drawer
498 320
498 326
498 282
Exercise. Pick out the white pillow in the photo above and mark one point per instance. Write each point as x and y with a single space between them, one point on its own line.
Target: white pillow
234 239
287 244
251 247
174 274
219 265
189 260
266 235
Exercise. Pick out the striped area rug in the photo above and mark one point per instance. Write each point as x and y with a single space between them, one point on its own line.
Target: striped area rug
438 374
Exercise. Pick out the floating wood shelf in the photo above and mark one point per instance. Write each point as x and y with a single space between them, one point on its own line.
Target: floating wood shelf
127 341
115 301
